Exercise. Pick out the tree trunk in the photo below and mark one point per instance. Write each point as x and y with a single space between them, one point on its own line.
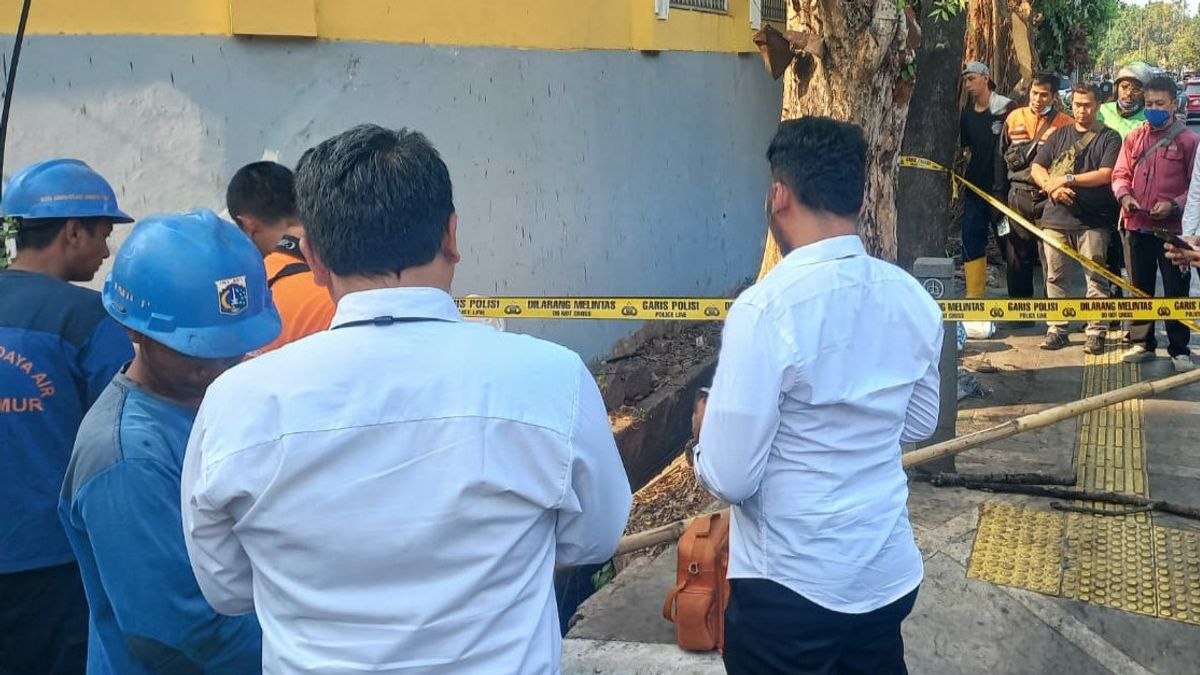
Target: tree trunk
923 198
1001 33
855 81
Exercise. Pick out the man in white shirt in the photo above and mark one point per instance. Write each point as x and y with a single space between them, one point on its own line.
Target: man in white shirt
826 366
392 495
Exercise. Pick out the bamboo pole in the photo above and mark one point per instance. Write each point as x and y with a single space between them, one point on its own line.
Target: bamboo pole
672 531
1049 416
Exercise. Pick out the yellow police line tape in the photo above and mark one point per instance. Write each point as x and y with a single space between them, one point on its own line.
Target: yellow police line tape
716 309
929 165
1138 308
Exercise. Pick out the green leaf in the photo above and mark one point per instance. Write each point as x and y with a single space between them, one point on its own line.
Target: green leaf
604 575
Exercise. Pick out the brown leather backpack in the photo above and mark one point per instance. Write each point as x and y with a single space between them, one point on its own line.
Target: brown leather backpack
696 605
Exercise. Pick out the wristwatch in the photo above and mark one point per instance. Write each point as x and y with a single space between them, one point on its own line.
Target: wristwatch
1070 179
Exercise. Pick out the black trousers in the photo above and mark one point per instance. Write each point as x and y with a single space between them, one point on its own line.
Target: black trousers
1021 248
771 629
43 622
1115 262
1145 259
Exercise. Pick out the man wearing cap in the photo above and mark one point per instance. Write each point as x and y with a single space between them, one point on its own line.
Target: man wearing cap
120 500
980 130
58 350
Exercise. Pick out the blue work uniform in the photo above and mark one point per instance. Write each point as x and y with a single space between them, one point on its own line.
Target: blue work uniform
120 507
58 350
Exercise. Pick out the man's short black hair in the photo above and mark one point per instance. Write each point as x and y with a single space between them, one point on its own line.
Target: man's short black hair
1048 80
823 162
1086 88
1162 83
265 190
35 234
374 201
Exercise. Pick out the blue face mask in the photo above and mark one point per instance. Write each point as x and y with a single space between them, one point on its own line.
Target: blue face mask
1158 118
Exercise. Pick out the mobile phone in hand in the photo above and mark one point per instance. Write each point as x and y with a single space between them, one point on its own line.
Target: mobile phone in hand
1172 239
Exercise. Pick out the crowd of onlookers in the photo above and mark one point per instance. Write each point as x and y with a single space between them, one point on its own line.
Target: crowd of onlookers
1108 178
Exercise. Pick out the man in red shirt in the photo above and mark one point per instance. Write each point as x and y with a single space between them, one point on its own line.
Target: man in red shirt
1151 180
262 201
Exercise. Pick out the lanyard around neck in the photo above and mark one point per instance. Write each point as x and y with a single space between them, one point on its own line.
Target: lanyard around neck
386 321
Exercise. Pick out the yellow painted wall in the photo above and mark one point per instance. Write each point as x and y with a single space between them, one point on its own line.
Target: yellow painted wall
529 24
153 17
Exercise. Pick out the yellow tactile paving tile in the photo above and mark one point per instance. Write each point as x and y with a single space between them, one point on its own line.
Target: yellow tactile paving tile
1123 562
1018 547
1112 561
1177 554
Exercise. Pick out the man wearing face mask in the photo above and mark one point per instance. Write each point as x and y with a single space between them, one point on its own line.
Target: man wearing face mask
1126 113
1151 180
1123 114
1025 130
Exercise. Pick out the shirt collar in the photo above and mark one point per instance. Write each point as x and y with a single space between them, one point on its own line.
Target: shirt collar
122 379
418 303
825 250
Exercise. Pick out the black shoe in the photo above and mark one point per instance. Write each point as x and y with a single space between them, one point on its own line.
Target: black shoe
1054 341
1093 344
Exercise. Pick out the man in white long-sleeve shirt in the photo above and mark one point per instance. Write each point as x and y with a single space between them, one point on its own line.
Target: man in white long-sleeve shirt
826 366
393 494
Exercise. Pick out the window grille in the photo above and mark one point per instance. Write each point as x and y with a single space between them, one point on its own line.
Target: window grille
719 6
774 10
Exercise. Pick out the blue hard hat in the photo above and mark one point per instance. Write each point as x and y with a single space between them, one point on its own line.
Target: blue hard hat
60 188
195 283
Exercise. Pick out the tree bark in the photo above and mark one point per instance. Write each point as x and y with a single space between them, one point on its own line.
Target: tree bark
1001 34
923 197
855 81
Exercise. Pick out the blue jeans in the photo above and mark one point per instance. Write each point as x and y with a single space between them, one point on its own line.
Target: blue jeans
977 218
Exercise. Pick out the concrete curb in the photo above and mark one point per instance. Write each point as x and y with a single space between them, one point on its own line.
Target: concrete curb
597 657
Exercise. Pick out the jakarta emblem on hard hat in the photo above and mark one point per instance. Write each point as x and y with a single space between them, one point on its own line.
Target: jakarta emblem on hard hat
232 296
195 283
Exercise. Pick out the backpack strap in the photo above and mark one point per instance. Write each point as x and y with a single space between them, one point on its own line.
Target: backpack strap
1065 163
288 270
1171 134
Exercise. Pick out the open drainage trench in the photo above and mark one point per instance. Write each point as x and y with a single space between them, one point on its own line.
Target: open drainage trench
649 386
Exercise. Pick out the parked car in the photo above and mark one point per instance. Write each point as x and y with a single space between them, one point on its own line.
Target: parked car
1192 92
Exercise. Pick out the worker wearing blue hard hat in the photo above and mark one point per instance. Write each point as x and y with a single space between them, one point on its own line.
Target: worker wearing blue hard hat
120 501
58 350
